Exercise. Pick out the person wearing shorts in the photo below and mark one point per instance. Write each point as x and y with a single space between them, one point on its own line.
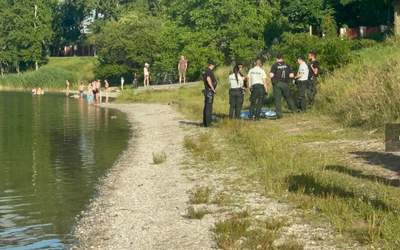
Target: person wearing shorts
146 74
182 66
81 89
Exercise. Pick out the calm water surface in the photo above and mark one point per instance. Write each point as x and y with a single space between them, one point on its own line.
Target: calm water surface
53 150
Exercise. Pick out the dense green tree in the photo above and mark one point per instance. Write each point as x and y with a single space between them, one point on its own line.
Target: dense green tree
130 42
25 32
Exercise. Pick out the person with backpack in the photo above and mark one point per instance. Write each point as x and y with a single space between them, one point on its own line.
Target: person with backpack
281 75
236 91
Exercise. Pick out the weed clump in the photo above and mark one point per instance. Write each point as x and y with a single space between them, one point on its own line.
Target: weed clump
159 158
200 196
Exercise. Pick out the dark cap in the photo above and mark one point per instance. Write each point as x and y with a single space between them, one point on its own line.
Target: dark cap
279 56
301 57
211 62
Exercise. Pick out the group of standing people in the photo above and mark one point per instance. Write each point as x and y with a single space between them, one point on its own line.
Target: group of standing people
281 76
93 89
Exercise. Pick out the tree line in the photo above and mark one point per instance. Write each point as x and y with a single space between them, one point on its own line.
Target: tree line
128 33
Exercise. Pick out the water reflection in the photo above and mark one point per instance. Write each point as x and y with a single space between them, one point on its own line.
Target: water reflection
54 149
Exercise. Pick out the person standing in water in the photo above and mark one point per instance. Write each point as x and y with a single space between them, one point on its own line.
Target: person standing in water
67 87
106 86
81 89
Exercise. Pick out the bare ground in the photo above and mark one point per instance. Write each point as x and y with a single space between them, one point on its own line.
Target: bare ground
144 206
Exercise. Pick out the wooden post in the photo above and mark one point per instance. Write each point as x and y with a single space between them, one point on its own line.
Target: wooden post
396 8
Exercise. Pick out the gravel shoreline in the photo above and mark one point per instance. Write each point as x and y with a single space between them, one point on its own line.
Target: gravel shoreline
143 205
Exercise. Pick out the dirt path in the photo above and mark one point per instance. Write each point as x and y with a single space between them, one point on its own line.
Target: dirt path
143 205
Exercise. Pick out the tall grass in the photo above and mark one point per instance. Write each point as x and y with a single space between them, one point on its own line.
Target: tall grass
361 209
52 76
49 78
365 93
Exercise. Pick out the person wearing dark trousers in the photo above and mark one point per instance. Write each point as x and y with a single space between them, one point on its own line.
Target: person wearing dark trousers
281 75
210 84
257 79
302 82
236 91
312 76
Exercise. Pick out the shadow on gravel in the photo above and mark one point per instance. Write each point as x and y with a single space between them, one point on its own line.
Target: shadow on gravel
362 175
387 160
309 185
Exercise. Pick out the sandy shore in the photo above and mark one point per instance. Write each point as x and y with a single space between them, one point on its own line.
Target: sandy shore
143 205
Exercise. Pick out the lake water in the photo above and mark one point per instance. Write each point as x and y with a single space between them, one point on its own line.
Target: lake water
53 150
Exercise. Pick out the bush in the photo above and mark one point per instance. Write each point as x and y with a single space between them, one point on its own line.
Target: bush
332 52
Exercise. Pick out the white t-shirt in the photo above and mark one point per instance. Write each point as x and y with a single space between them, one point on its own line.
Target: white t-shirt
303 68
146 71
257 75
235 84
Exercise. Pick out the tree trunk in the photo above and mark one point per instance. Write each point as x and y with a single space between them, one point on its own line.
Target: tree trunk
36 66
396 8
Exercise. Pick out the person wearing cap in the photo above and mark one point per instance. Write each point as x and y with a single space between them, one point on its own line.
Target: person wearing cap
312 76
280 75
257 79
302 82
146 73
236 91
210 83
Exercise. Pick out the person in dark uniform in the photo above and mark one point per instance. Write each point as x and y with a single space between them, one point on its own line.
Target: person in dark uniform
312 76
259 89
236 91
210 83
281 75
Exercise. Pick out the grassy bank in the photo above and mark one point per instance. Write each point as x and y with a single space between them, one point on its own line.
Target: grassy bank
52 76
365 93
336 177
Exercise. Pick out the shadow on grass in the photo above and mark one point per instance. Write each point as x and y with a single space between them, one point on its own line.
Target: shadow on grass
362 175
309 185
198 124
387 160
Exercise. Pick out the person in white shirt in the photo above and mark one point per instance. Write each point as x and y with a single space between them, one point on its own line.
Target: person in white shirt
122 83
302 82
146 74
236 91
259 89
